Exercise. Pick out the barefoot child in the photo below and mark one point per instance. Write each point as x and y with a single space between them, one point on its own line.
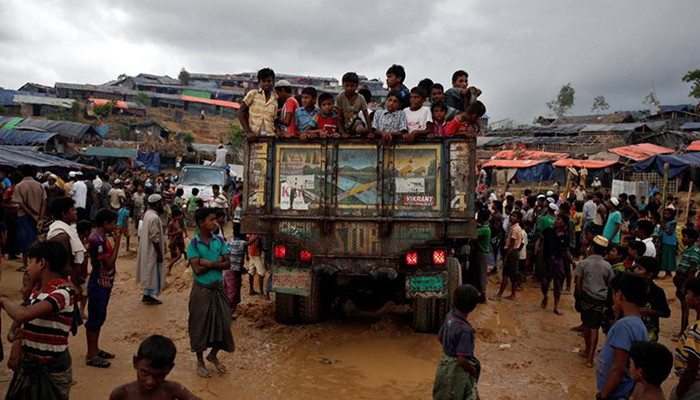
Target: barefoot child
687 267
209 324
593 277
123 223
656 305
41 361
153 362
650 365
687 355
458 370
511 258
176 237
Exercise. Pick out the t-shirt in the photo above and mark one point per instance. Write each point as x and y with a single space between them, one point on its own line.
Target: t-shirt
672 238
689 259
614 218
79 194
525 241
47 337
123 218
656 300
351 109
261 111
253 249
453 98
192 203
651 249
30 193
405 97
328 123
394 121
596 275
483 238
289 107
515 236
688 344
115 197
211 252
545 222
236 252
219 201
306 120
439 128
457 336
100 249
599 213
418 120
453 127
621 335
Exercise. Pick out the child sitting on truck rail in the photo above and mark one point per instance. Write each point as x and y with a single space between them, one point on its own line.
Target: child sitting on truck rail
458 370
392 120
306 116
350 104
418 118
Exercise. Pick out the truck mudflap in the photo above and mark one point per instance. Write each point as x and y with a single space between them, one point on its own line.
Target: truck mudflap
294 281
434 286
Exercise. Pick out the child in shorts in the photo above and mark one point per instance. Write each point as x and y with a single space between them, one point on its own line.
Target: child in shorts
350 104
687 354
123 223
176 237
153 362
650 365
328 120
256 264
458 370
657 304
687 269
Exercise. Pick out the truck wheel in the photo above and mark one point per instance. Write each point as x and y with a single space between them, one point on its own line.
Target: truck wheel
311 308
284 308
424 311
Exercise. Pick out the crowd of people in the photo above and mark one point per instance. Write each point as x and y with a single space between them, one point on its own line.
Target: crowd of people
607 251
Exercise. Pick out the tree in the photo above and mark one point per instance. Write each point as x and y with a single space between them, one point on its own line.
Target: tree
188 138
564 101
103 111
122 76
599 104
694 78
143 99
236 136
652 100
184 76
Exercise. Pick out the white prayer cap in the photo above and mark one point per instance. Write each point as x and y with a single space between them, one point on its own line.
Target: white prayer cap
615 201
154 198
553 207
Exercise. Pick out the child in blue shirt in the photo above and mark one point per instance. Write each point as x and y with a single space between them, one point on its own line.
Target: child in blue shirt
123 223
613 377
458 370
306 116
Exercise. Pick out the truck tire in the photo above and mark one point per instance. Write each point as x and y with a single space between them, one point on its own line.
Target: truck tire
285 305
424 312
311 307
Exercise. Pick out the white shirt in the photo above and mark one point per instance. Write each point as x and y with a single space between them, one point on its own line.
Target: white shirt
589 209
651 249
523 251
220 157
79 194
97 183
218 202
418 120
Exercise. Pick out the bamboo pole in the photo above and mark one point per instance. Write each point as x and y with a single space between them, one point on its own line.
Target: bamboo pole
687 204
664 188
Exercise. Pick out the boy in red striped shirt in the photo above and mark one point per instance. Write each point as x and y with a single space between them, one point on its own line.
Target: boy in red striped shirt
40 357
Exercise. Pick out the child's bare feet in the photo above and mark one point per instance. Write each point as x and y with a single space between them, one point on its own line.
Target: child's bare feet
556 311
589 364
511 297
203 371
214 360
544 302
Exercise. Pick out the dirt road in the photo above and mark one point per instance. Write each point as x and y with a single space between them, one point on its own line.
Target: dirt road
526 352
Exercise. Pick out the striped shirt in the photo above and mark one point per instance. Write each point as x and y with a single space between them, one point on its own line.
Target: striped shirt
390 121
688 344
236 252
47 337
689 259
261 112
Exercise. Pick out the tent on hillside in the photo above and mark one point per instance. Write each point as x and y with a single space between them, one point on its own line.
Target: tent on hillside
605 170
639 152
522 170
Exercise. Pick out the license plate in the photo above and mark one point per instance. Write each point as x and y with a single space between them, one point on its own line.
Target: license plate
291 281
422 284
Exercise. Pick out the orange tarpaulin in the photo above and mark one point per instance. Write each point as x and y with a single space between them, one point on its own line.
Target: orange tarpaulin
589 164
528 155
695 146
512 163
642 151
222 103
117 103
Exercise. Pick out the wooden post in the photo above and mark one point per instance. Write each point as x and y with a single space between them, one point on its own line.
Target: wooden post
568 183
687 204
664 188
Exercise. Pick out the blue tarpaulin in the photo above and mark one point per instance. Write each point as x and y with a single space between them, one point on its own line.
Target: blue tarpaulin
537 173
24 138
102 130
677 163
150 160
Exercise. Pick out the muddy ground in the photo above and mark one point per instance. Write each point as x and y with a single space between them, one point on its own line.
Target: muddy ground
526 352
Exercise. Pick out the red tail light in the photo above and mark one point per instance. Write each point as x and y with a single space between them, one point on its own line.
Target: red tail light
412 258
439 257
280 251
305 256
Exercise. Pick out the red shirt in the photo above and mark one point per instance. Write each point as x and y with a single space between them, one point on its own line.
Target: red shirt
328 124
290 105
453 126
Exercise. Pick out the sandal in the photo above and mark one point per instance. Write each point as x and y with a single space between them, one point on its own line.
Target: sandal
98 362
105 355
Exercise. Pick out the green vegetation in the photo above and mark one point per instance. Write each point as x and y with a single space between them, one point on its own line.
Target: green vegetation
563 102
103 111
184 76
600 104
188 138
143 99
694 78
236 136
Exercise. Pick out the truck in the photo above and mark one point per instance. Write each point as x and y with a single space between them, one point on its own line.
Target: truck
202 177
354 219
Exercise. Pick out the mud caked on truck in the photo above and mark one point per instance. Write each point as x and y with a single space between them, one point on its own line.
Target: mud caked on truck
354 220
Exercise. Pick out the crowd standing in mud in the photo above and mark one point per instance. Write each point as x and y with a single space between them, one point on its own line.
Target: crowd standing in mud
608 251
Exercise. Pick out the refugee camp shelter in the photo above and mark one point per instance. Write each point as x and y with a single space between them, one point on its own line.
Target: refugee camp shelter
39 106
118 107
604 170
71 131
148 131
639 152
14 156
120 159
48 142
503 171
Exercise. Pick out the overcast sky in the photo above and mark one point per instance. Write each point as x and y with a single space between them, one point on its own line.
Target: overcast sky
518 52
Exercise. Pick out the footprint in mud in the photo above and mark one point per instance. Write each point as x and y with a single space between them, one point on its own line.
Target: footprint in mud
327 361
